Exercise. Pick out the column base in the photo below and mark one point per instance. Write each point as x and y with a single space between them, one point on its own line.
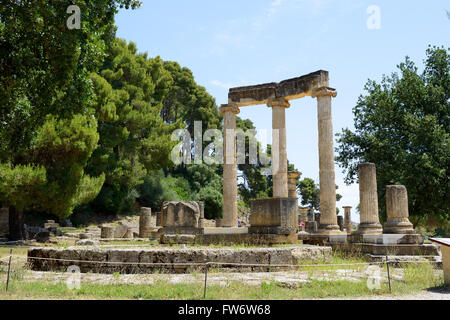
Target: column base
369 228
329 229
398 227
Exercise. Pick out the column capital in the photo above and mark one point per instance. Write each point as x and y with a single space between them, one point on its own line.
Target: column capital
347 207
229 108
278 102
294 174
324 92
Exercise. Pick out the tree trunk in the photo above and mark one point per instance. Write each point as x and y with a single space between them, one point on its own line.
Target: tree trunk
16 224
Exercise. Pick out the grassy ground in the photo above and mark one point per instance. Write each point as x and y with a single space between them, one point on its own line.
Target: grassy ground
235 291
417 277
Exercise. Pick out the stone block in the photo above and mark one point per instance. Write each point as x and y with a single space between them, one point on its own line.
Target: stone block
340 221
86 236
311 226
145 223
120 231
274 216
107 232
51 224
87 242
181 214
158 219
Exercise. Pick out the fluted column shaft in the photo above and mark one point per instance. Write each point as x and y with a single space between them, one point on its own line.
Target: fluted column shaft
328 216
279 153
397 211
348 219
368 197
229 167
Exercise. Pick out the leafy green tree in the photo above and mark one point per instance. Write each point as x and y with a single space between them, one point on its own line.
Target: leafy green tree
402 125
157 188
189 102
46 119
310 194
134 139
253 183
205 185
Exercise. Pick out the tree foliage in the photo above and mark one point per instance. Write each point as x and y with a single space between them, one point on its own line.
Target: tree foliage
134 139
402 125
47 126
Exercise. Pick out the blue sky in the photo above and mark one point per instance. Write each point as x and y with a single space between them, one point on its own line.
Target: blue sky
235 43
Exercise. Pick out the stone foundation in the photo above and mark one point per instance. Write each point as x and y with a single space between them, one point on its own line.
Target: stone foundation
231 239
193 258
274 216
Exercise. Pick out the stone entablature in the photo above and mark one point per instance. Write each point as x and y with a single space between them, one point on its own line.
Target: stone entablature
290 89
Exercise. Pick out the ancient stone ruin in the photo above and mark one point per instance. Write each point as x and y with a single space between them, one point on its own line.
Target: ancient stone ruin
179 217
278 214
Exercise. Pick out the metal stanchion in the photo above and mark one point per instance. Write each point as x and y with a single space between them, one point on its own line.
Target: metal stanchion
389 274
206 279
9 269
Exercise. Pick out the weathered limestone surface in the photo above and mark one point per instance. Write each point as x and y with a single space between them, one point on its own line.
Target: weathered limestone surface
397 211
181 214
87 242
274 216
120 231
292 183
304 214
145 223
229 167
178 261
369 219
50 224
446 264
328 219
158 219
279 153
311 227
348 219
290 89
4 222
107 232
341 222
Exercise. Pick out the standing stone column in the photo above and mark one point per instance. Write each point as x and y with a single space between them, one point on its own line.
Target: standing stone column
328 217
145 223
279 153
370 221
229 167
348 219
292 183
397 211
304 214
107 232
